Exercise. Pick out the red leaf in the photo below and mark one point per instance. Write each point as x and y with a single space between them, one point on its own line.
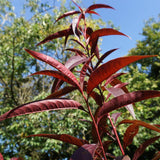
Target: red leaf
83 72
40 106
80 43
104 56
115 116
77 51
85 152
51 61
93 12
1 157
63 137
96 6
141 123
56 74
131 131
58 34
126 99
106 70
143 146
67 14
61 92
98 99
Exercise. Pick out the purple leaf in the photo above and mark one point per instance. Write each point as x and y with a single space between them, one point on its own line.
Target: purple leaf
107 69
51 61
85 152
126 99
96 6
67 14
40 106
143 146
63 137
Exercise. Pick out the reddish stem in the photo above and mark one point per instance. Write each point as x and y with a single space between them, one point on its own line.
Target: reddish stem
115 132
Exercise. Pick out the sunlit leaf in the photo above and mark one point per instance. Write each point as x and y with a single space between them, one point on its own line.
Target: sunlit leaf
96 6
40 106
106 70
63 137
126 99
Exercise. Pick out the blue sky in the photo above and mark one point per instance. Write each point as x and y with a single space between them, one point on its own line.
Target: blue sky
129 15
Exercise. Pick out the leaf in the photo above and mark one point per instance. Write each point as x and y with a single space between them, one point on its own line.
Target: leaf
104 56
51 61
143 146
115 116
117 91
141 123
98 99
85 152
157 156
83 72
96 6
61 92
131 131
93 12
80 43
58 34
77 51
63 137
40 106
1 157
67 14
107 69
126 99
126 157
56 74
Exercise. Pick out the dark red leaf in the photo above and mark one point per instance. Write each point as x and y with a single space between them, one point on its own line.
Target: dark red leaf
141 123
106 70
67 14
104 56
61 92
63 137
98 99
77 51
93 12
83 72
85 152
51 61
56 85
131 131
55 74
96 6
126 99
58 34
143 146
40 106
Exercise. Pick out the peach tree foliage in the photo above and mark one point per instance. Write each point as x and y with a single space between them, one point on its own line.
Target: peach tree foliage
85 72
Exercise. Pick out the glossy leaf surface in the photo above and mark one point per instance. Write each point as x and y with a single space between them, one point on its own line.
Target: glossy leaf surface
40 106
126 99
51 61
107 69
63 137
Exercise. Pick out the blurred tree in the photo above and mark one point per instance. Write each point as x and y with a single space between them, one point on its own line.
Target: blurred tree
16 88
